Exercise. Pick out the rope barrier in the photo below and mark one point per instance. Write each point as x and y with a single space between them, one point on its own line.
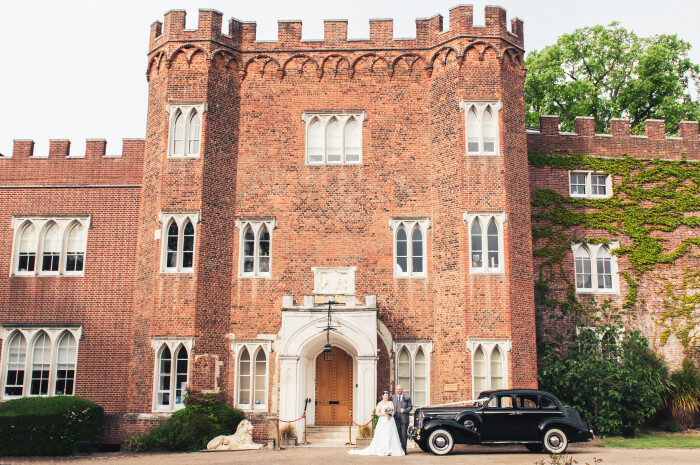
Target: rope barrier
356 424
292 421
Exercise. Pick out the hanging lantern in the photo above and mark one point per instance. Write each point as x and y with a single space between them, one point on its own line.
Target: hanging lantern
327 353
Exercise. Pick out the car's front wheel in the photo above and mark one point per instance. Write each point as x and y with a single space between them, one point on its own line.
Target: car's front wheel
555 441
440 442
423 446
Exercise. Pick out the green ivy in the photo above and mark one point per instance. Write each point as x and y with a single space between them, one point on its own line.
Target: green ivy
650 199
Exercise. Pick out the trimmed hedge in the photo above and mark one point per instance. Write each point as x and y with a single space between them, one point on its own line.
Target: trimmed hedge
48 425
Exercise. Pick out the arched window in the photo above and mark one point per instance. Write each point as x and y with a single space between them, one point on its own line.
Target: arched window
264 250
165 362
75 249
609 344
401 251
315 142
260 380
179 134
249 250
352 141
604 265
496 369
417 250
477 240
41 365
492 241
488 130
404 378
66 359
420 391
195 130
173 239
582 261
51 251
181 364
244 380
334 142
16 363
27 249
472 131
479 371
188 245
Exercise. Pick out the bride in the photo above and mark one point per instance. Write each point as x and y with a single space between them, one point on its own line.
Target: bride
386 437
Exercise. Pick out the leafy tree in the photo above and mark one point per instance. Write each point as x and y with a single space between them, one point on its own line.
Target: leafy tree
611 385
610 72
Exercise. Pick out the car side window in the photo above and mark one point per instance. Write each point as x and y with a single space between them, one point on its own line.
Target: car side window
547 403
526 401
501 402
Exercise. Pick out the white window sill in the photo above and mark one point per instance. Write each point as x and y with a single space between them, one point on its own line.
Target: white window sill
410 276
479 154
354 163
72 274
486 272
24 275
183 157
45 274
179 272
598 291
258 276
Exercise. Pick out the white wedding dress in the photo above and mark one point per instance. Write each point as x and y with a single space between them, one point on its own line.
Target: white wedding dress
386 437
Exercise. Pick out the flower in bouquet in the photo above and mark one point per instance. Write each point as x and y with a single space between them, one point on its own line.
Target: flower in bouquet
389 410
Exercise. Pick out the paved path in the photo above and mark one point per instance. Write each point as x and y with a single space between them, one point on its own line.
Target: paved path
509 455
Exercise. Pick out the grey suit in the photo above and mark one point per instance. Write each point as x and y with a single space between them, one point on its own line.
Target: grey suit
402 419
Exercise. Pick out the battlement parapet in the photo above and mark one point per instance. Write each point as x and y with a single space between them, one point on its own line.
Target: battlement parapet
61 167
620 141
429 31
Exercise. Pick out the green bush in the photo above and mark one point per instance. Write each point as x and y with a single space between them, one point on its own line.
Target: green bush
610 385
670 426
684 394
204 417
48 425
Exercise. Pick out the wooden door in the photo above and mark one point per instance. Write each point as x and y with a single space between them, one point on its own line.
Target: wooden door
333 388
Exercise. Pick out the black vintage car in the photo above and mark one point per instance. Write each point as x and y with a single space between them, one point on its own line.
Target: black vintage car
535 419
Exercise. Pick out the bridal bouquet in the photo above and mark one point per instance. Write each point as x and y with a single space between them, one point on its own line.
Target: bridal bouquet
389 410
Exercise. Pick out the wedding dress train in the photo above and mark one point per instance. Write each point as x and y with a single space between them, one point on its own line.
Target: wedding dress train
386 437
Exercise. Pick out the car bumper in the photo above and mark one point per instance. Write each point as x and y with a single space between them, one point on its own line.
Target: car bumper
413 433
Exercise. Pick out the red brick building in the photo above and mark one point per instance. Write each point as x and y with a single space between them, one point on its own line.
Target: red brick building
389 176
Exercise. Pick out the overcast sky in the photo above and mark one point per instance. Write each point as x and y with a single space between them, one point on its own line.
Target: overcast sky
75 69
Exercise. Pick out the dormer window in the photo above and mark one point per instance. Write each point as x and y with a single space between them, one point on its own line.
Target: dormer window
185 129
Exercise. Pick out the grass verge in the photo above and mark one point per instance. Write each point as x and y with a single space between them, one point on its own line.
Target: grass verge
652 441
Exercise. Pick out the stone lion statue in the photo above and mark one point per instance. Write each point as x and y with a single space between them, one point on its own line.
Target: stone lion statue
243 439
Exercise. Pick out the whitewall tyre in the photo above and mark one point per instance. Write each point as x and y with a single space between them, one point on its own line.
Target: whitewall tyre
440 442
555 441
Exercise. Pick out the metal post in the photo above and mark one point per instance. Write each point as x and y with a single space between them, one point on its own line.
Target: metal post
349 443
306 440
279 444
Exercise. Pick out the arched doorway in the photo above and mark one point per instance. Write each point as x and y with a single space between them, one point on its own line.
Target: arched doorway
333 388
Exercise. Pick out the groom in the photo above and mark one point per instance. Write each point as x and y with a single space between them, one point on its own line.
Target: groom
402 407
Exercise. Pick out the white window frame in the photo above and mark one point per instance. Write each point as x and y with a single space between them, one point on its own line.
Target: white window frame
480 106
487 345
173 344
618 334
589 185
41 223
409 224
484 218
253 346
180 218
593 251
256 224
412 348
31 333
187 109
325 117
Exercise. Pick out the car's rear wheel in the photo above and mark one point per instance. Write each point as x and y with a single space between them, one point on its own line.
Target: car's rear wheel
555 441
534 447
440 442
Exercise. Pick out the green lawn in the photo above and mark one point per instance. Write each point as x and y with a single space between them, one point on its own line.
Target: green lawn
650 441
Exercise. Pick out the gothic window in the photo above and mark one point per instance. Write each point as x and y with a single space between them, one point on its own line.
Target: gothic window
185 130
172 371
66 359
481 123
485 241
413 370
489 364
252 378
602 279
60 242
409 246
16 361
41 366
256 241
51 249
334 138
590 184
40 361
179 241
